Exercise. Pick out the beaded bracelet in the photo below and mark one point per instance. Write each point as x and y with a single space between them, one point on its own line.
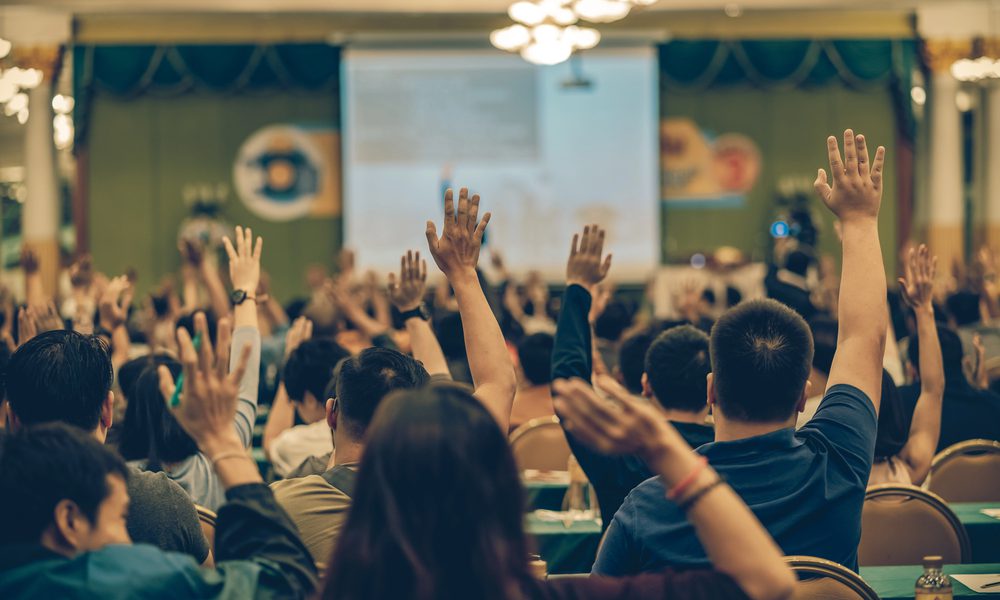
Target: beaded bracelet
695 497
685 483
223 456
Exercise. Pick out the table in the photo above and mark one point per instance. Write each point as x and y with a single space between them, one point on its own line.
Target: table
896 583
566 549
984 531
547 495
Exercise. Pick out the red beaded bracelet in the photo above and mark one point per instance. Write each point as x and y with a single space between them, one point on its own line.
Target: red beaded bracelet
685 483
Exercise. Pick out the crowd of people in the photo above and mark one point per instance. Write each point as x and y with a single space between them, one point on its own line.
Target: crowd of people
744 430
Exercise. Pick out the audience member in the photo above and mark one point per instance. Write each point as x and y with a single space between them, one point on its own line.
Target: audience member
534 397
824 334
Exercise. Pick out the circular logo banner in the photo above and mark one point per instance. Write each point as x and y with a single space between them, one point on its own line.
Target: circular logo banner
277 173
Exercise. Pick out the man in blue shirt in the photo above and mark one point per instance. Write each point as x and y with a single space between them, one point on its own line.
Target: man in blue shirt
807 487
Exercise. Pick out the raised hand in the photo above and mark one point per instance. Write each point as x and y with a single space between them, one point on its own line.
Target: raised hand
81 272
207 403
300 331
917 287
585 266
192 252
244 260
47 318
26 328
857 185
407 292
29 260
114 302
457 249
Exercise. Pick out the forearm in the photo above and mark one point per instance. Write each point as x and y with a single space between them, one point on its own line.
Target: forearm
246 407
571 351
189 289
244 314
369 326
34 290
217 293
930 359
280 418
489 361
121 345
426 348
925 430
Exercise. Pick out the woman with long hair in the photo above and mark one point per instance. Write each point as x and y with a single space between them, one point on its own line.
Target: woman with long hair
438 507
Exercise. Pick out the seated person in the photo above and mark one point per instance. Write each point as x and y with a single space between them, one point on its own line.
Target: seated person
533 399
824 334
807 487
64 498
63 376
675 380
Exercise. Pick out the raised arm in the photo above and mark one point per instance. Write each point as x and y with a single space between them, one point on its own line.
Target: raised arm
282 413
854 198
34 290
113 309
456 253
407 294
244 272
917 291
733 538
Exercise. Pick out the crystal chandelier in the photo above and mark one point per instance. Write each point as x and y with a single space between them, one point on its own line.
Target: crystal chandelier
985 65
13 82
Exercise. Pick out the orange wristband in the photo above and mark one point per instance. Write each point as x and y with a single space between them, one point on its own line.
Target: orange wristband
685 483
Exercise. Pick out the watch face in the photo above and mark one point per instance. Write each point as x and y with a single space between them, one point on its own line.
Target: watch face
238 296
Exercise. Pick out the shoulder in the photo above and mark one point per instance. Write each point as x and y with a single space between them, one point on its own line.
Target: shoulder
844 399
153 487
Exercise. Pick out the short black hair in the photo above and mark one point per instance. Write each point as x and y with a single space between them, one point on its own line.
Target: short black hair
43 465
365 379
798 262
535 354
951 351
151 432
824 332
761 357
613 322
61 376
310 368
677 365
964 308
632 359
893 430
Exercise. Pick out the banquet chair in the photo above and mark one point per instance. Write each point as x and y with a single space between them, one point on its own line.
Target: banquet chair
206 518
541 445
901 524
968 471
826 580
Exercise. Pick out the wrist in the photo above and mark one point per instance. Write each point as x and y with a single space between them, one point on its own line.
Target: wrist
463 276
589 287
213 445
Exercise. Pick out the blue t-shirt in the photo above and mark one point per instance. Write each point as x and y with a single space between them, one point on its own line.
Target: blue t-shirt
807 487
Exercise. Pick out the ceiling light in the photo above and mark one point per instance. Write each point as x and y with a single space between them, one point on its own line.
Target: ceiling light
511 38
602 11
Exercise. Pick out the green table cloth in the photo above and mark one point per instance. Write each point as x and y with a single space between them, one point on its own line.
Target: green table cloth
546 495
897 583
984 531
566 549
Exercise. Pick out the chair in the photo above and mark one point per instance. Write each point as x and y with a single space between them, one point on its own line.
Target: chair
541 445
968 471
901 524
829 581
206 518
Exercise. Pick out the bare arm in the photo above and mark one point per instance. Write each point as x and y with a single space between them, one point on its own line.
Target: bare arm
735 541
456 253
855 198
917 290
34 290
282 414
113 309
244 272
407 293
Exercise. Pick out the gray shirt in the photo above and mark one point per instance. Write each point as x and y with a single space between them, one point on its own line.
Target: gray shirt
195 473
161 514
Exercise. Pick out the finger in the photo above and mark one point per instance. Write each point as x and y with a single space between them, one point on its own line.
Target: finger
258 247
247 243
598 247
877 166
863 164
223 341
205 355
474 211
833 152
590 405
850 153
167 385
392 284
449 207
575 405
911 261
241 365
402 267
481 228
934 262
606 266
423 271
574 248
188 356
585 240
230 250
462 218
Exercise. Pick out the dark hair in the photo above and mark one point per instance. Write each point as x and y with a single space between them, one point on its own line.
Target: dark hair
365 379
128 373
733 296
951 352
59 376
310 368
761 354
798 262
892 430
677 364
151 432
43 465
615 319
451 335
824 332
535 354
187 322
964 308
632 359
438 507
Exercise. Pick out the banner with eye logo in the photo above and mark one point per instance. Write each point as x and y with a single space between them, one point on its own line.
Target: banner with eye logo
702 170
285 172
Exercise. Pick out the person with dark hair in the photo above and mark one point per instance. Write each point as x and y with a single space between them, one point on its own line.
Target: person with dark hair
65 377
170 450
788 284
807 486
824 334
675 379
632 360
903 454
439 509
319 504
64 499
533 399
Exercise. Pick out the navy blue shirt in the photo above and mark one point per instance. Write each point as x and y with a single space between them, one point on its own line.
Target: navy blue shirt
806 487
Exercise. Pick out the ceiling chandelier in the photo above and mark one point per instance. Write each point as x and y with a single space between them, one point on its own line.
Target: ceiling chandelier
986 65
545 31
13 82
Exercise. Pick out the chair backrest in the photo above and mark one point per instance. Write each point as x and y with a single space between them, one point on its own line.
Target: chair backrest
540 444
206 518
968 471
826 580
901 524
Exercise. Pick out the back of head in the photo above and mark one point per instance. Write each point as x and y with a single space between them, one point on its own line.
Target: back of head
951 352
535 355
964 308
365 379
43 465
632 359
892 427
310 368
615 319
437 511
59 376
677 364
150 431
798 262
761 356
824 332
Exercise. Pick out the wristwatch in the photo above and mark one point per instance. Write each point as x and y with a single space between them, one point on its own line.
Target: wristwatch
419 312
239 297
